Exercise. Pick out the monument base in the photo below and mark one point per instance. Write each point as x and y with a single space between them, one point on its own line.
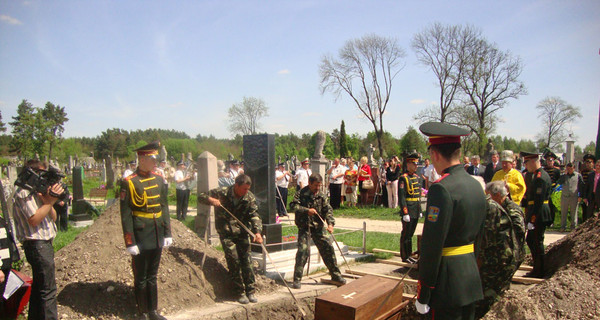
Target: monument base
271 234
80 220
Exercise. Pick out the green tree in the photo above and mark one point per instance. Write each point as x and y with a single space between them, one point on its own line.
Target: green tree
391 145
365 70
556 115
113 142
412 140
54 118
23 125
2 125
590 148
343 140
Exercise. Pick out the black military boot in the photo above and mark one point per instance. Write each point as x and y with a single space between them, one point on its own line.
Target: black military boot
153 315
296 284
243 299
252 297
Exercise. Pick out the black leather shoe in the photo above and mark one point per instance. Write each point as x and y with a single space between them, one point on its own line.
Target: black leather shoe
143 316
243 299
153 315
296 285
252 298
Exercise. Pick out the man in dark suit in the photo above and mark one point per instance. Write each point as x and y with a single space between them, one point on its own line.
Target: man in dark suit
476 168
592 194
587 166
492 167
449 279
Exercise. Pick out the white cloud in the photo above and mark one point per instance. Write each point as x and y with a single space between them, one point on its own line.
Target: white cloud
284 71
417 101
10 20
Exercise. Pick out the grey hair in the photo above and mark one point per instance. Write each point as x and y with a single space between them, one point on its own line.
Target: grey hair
475 157
496 188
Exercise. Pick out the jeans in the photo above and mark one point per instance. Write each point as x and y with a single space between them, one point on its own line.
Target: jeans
42 303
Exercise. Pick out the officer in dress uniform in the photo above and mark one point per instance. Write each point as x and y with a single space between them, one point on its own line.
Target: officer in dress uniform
410 202
554 174
449 282
146 228
537 212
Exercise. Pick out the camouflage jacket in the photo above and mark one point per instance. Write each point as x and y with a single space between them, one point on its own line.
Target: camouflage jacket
503 237
246 210
304 200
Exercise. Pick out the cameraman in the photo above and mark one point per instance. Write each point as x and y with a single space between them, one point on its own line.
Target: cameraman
35 228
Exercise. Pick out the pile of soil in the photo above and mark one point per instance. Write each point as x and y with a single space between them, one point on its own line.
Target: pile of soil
572 290
94 277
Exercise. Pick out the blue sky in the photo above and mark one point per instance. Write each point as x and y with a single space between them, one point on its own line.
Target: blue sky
181 64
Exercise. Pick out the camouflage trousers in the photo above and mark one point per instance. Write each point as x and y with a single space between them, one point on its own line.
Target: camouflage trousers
323 243
239 263
495 279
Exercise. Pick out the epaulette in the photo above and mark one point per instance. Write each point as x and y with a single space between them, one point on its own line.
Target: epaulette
129 177
157 173
441 178
405 174
539 174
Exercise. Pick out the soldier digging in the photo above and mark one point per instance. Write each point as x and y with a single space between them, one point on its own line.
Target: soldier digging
409 191
308 203
238 200
146 228
537 211
449 282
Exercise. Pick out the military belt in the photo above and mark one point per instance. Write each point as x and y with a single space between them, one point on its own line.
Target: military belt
147 215
413 199
533 202
455 251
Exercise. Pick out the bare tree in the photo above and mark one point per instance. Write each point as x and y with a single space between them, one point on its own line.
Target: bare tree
490 79
365 70
244 117
556 115
443 49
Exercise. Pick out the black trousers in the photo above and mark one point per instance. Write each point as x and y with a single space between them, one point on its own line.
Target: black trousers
145 268
281 201
408 230
183 197
335 195
535 241
458 313
42 302
62 217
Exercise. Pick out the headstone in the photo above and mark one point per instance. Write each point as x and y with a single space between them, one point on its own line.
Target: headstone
259 159
570 154
12 174
80 217
207 179
319 145
71 163
163 152
320 166
103 171
110 173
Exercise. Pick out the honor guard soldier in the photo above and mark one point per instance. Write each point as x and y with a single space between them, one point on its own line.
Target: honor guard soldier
537 211
554 174
449 282
409 192
146 228
307 203
240 202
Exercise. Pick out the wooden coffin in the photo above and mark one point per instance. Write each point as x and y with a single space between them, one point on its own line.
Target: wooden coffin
360 299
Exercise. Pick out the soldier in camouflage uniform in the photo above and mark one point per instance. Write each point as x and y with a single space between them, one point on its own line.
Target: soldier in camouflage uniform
501 252
234 239
307 203
146 228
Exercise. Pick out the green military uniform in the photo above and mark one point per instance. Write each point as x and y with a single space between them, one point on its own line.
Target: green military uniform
537 212
234 239
409 196
145 225
449 279
304 200
501 252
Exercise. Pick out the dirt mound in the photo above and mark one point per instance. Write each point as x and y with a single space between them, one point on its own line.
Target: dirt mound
94 275
573 289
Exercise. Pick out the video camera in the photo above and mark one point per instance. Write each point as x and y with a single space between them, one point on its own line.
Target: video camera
39 181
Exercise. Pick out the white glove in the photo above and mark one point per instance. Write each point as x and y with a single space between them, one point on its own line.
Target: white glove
134 250
530 226
406 218
168 242
421 308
